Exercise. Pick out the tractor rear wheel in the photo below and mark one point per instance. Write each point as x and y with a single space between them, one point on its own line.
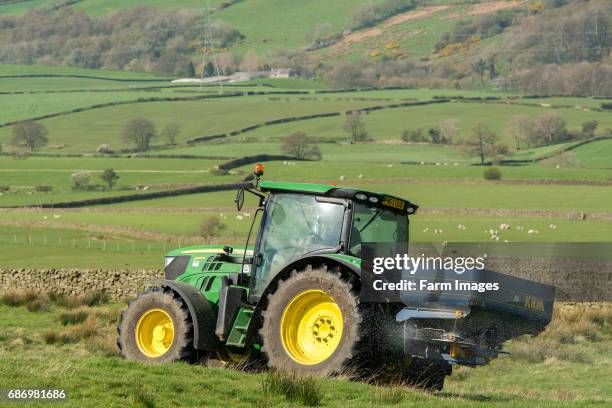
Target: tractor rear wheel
311 323
155 328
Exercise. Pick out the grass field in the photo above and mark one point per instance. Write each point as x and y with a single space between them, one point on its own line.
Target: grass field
569 373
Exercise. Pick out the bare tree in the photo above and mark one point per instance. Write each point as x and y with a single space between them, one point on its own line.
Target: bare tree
480 67
170 132
449 129
301 146
81 179
356 127
551 128
481 142
519 128
227 63
251 62
211 227
31 135
139 131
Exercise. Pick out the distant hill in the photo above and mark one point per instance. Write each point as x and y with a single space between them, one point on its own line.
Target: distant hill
532 46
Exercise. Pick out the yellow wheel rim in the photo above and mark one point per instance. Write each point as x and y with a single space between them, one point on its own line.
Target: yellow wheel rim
311 327
154 333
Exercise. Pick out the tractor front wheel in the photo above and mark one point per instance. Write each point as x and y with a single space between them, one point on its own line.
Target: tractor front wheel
311 323
155 328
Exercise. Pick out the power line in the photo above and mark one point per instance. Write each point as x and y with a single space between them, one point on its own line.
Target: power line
208 44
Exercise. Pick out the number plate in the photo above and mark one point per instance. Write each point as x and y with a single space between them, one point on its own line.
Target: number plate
394 203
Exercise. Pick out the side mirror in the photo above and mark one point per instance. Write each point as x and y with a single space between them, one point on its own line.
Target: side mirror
239 200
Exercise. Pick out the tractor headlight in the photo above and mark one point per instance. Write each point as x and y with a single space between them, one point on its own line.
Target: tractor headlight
373 199
168 260
361 196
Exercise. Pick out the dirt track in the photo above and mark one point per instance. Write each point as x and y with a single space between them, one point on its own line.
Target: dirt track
486 8
398 19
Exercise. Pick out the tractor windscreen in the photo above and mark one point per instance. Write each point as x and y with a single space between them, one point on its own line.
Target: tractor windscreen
377 224
294 226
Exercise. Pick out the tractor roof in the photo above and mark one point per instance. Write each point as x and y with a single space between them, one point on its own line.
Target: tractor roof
384 200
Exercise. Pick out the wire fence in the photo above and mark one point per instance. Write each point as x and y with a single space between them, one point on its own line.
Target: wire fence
91 243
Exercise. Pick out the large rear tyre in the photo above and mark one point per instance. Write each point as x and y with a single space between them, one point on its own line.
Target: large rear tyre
311 323
156 328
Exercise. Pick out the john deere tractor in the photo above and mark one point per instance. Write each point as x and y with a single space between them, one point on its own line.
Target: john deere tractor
292 298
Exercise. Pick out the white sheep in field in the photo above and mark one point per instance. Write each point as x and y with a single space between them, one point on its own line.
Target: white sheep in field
533 231
239 217
552 226
504 227
426 229
342 177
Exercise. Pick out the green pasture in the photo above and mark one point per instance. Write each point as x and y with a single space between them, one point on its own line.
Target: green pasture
28 106
533 197
26 196
438 195
66 84
85 131
424 227
287 27
15 69
345 172
57 248
597 154
388 124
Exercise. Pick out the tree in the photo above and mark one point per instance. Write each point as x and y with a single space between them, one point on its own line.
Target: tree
31 135
81 179
209 69
301 146
589 127
356 127
492 67
171 132
519 128
226 63
481 142
109 177
479 67
449 129
550 128
413 135
139 131
211 227
251 62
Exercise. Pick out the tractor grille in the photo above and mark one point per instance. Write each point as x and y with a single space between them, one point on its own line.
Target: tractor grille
176 267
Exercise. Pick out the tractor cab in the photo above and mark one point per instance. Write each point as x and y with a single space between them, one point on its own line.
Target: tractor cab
314 220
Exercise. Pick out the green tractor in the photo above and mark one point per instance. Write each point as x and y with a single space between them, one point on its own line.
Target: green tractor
292 300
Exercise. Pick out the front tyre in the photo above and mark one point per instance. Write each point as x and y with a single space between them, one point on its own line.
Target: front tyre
156 328
311 324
